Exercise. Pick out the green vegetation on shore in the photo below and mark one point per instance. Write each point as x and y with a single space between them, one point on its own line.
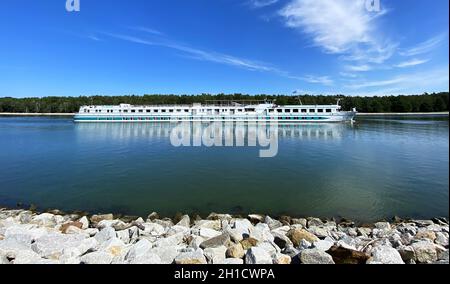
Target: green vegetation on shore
435 102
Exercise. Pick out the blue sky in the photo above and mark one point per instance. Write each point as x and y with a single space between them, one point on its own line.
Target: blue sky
118 47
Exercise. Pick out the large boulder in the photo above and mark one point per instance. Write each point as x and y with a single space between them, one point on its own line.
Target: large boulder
256 255
105 235
185 221
215 255
235 251
138 249
272 223
425 252
98 218
280 258
343 255
315 256
166 254
51 246
297 235
385 255
97 257
194 257
222 240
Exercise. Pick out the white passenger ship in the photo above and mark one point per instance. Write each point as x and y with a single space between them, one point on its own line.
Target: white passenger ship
218 111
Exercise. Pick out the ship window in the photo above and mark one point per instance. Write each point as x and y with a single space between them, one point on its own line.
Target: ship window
147 110
295 110
312 110
141 110
304 110
320 110
125 110
250 109
133 110
163 110
287 110
328 110
178 110
270 110
186 110
170 110
279 110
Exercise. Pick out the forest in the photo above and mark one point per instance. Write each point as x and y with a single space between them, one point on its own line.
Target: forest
434 102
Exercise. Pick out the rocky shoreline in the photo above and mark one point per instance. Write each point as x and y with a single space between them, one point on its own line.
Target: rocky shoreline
27 237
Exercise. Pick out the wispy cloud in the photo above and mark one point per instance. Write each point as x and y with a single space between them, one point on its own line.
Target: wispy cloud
411 63
323 80
261 3
430 79
147 30
199 54
358 68
424 47
93 37
221 58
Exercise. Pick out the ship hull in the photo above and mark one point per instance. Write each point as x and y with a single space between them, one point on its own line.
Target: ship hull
339 117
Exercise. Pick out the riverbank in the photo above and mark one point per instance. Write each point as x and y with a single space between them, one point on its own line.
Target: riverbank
359 114
57 238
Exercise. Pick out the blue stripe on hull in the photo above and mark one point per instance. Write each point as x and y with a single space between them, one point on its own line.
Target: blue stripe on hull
206 119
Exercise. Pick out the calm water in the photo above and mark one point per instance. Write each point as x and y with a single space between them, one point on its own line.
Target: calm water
373 169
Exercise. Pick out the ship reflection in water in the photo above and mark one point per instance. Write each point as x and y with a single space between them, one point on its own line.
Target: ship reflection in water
323 131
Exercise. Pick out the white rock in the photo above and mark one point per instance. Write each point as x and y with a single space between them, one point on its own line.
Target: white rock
232 261
124 236
442 239
318 231
210 224
196 241
385 255
269 247
51 246
315 256
167 254
235 236
45 220
383 225
257 255
273 224
115 247
208 233
185 221
215 255
138 249
173 240
85 222
105 234
25 233
243 226
147 258
280 258
29 257
152 229
177 229
195 257
324 244
98 257
425 251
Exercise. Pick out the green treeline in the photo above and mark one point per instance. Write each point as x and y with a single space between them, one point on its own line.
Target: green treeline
418 103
